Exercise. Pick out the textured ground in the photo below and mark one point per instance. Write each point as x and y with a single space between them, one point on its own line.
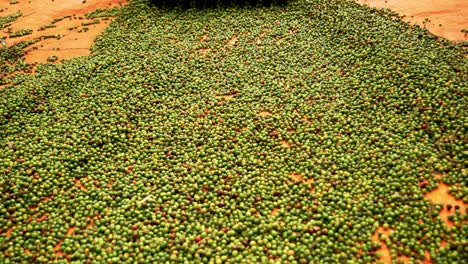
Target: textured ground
447 18
39 13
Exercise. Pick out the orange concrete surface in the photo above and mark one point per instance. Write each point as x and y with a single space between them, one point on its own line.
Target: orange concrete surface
447 17
38 13
384 250
441 195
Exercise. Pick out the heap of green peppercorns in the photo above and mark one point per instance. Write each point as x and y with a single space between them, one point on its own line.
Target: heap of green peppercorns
238 135
184 4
